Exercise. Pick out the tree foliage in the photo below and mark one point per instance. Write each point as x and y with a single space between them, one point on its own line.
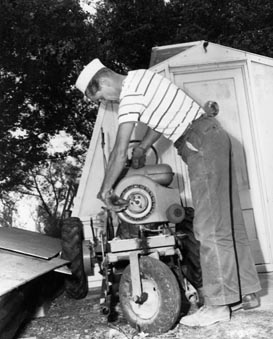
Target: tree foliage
7 210
55 186
43 45
243 24
128 29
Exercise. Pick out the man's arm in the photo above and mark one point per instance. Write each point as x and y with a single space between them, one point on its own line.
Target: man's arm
117 158
149 139
139 152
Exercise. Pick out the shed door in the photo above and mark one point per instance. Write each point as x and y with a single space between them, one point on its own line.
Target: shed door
227 88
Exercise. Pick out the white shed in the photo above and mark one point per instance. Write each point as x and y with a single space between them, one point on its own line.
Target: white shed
242 84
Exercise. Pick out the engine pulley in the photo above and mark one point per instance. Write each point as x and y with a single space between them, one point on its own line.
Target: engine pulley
141 203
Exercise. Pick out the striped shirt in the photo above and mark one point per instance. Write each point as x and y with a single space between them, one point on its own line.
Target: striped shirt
157 102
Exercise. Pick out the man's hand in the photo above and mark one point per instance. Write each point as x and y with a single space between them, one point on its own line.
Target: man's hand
138 157
211 108
112 201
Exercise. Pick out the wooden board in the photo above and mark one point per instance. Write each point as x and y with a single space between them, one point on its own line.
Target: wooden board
27 242
17 269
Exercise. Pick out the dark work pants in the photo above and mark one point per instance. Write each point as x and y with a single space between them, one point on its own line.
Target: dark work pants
190 249
228 269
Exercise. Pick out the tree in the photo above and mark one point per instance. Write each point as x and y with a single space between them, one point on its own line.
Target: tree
43 46
243 24
54 186
128 29
7 209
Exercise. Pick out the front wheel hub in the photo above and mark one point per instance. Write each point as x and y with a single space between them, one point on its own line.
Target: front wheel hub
148 308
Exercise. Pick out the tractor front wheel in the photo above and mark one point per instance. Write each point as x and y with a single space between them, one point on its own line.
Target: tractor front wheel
161 308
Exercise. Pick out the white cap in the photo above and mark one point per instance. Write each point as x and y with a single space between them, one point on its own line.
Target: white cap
87 74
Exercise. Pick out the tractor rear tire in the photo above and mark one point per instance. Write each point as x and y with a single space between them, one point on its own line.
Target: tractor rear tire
76 285
160 312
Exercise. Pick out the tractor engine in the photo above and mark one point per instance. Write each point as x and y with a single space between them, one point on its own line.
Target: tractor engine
151 200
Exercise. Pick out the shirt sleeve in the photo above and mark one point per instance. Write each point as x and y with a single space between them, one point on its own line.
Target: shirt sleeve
131 108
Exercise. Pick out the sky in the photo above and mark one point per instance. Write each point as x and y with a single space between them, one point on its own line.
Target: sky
89 6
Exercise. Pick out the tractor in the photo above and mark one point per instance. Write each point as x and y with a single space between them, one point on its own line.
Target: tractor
141 260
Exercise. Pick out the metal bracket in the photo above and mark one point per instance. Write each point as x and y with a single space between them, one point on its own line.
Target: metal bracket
135 276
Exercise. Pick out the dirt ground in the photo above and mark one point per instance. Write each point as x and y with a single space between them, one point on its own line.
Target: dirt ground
82 319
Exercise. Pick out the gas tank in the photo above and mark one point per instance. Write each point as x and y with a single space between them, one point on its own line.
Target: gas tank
160 173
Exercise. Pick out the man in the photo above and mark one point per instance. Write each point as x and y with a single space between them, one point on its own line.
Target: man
228 270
